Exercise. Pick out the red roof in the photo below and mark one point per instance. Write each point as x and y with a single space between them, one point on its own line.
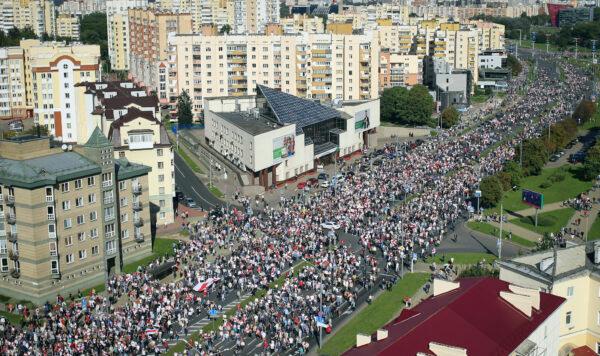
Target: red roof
583 351
473 317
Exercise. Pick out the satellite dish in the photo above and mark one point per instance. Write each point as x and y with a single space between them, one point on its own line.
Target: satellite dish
70 147
64 147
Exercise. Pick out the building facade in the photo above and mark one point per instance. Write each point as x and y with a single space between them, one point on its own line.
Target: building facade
39 15
67 26
117 23
60 229
13 96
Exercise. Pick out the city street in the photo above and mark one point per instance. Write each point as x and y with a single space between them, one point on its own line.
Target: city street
192 186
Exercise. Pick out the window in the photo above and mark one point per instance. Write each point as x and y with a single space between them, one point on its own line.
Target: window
91 181
3 246
52 247
93 216
66 205
54 267
159 152
162 215
109 213
68 240
4 264
125 234
161 203
161 177
78 184
123 202
81 236
79 202
122 185
80 219
92 198
161 165
94 233
69 258
568 318
570 291
109 230
95 250
598 347
82 254
111 246
67 223
64 187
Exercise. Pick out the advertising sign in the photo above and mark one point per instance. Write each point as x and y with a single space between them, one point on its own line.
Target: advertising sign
361 120
533 199
283 147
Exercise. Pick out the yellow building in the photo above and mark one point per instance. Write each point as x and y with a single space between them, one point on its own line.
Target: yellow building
51 71
13 100
68 218
67 26
340 28
572 273
491 35
397 69
302 23
39 15
117 23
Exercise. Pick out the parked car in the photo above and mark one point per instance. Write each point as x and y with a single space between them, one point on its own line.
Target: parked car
554 158
330 225
322 176
191 203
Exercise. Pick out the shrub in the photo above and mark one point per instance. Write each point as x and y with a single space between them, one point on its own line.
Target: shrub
545 185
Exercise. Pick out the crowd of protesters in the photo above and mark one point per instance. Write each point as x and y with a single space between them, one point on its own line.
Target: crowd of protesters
248 253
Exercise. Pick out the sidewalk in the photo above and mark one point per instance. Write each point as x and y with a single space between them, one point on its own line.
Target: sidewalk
586 220
517 230
174 228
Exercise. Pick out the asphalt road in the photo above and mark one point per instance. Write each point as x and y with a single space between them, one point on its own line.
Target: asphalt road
192 186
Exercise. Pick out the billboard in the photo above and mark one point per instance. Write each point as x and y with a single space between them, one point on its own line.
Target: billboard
361 120
533 199
283 147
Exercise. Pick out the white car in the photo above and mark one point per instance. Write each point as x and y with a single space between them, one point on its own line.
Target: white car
330 225
324 184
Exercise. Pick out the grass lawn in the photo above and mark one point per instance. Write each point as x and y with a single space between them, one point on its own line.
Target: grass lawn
479 98
161 247
98 289
190 162
593 123
12 318
491 230
380 312
570 187
550 221
594 233
215 191
463 258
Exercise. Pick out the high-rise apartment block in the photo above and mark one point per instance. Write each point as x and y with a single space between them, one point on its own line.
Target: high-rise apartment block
317 66
148 38
39 15
68 217
67 26
118 31
13 103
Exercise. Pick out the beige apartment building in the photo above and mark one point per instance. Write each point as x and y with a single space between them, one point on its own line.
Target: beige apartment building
572 273
68 217
39 15
67 26
491 35
302 23
148 33
117 23
397 69
316 66
51 71
13 96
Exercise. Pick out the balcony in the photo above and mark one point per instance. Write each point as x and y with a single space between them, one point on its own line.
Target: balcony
11 219
55 275
49 199
10 200
52 235
137 189
138 222
1 198
107 184
108 218
12 236
13 255
137 206
14 273
139 237
109 200
51 217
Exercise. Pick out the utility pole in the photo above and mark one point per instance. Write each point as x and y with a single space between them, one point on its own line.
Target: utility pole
593 51
521 153
500 237
576 48
547 43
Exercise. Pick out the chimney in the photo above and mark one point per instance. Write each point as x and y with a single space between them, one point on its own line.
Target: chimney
382 334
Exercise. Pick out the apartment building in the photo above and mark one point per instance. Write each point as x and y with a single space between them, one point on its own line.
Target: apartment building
67 26
252 16
316 66
81 7
39 15
148 32
491 35
572 273
117 23
130 118
457 46
302 23
66 223
13 103
51 71
397 69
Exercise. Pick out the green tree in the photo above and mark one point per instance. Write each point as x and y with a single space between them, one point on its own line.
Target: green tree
93 31
584 111
394 105
284 10
407 107
450 117
421 104
184 109
513 169
15 35
491 191
513 63
591 166
534 156
225 29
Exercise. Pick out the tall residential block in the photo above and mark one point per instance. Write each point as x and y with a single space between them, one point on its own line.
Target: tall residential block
316 66
39 15
60 229
13 101
67 26
118 31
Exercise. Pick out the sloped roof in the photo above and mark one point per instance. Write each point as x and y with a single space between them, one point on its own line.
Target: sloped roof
473 317
97 139
126 169
290 109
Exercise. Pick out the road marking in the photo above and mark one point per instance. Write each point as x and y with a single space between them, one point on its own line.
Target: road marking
201 198
180 172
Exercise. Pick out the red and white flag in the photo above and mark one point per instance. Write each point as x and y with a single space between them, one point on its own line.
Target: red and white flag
202 286
152 331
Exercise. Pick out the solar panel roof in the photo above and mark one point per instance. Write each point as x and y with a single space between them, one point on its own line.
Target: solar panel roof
290 109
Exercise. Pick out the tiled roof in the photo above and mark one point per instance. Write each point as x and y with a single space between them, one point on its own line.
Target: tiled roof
97 139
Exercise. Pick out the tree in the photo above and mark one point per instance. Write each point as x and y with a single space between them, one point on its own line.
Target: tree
15 35
513 169
514 65
407 107
93 31
184 109
284 10
584 111
491 191
421 104
534 156
591 166
225 29
450 117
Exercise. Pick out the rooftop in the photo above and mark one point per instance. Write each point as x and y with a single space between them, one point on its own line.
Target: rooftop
252 124
126 169
473 316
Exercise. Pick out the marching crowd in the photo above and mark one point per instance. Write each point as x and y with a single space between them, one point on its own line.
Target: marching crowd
256 253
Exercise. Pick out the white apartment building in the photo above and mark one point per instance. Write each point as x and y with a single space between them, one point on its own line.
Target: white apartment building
13 102
252 16
315 66
117 24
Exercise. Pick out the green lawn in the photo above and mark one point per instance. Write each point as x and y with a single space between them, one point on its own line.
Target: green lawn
482 98
215 191
380 312
550 221
97 289
12 318
463 258
594 233
161 247
491 230
593 123
190 162
570 187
